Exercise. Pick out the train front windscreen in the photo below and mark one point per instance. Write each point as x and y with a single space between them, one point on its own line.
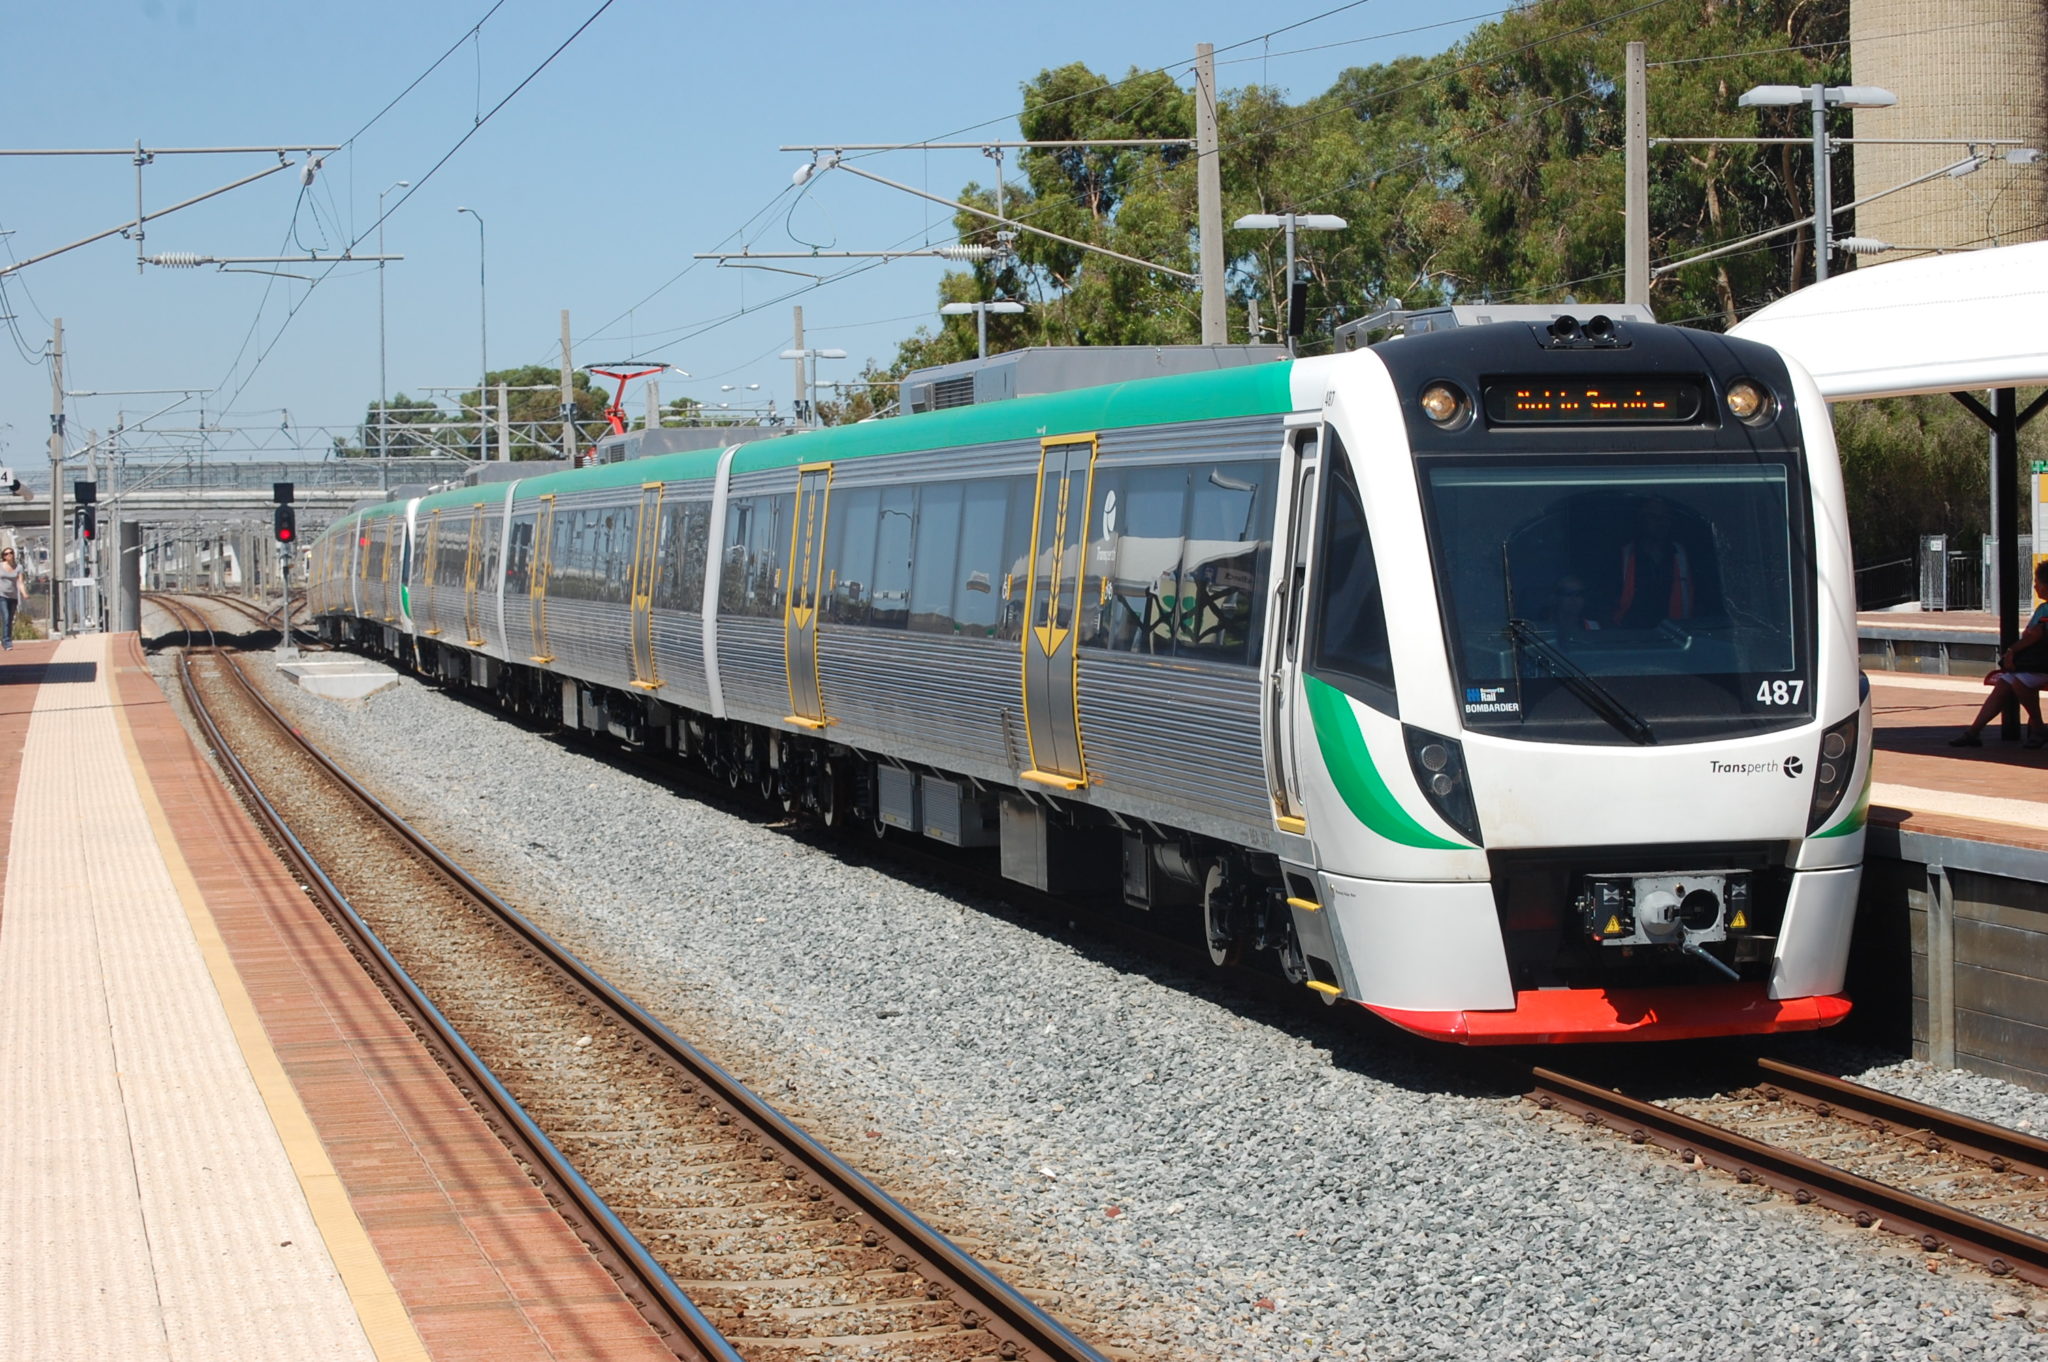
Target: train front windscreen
1648 599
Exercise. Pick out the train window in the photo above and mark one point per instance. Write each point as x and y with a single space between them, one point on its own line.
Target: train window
1225 563
487 553
1133 573
850 553
1016 558
696 555
732 577
767 555
978 574
519 556
894 527
1351 649
934 557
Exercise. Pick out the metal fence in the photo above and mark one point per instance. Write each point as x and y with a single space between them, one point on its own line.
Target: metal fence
226 474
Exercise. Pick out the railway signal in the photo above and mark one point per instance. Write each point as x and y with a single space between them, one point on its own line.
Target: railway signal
85 494
284 526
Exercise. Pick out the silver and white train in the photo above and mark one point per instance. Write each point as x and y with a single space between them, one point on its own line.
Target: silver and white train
1502 679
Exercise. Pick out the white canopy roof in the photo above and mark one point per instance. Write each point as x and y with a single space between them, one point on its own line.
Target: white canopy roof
1946 323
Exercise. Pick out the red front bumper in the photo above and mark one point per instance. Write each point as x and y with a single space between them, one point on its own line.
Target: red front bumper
1555 1016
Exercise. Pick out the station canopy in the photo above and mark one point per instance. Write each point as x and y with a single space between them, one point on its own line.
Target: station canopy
1945 323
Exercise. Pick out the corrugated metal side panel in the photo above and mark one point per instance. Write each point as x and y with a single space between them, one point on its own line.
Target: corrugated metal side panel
1248 437
590 640
679 658
751 669
1177 732
928 698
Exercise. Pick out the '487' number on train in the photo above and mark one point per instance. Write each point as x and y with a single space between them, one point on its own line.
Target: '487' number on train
1780 692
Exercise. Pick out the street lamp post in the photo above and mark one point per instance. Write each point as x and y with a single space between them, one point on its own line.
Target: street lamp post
980 311
1821 98
1291 223
811 381
483 297
383 381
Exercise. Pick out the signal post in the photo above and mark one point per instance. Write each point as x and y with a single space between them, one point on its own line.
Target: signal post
284 529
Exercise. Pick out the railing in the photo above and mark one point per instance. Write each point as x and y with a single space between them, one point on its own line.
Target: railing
236 475
1886 584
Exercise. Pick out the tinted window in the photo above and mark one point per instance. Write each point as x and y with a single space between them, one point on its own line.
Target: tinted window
894 531
1134 560
1225 562
934 557
850 553
1351 649
978 575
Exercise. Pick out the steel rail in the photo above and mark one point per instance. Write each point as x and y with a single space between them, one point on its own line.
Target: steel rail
2004 1150
1020 1328
674 1317
2000 1248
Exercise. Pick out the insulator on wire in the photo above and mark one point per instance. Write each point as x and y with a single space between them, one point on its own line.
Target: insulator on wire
178 260
975 253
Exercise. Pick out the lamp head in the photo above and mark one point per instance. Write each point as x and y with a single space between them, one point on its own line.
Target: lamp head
1771 96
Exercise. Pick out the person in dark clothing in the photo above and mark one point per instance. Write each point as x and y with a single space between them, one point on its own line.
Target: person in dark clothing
1656 576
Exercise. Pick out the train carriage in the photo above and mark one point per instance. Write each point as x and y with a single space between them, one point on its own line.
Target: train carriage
1501 680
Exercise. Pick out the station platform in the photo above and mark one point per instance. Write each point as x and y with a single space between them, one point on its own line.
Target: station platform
217 1139
1997 793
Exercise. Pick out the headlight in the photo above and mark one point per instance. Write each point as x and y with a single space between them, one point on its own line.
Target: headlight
1750 402
1831 773
1439 766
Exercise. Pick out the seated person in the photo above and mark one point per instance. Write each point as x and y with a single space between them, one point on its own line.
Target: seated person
1656 576
2022 671
1568 607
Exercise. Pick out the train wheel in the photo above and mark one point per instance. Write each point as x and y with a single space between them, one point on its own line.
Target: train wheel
834 795
1225 946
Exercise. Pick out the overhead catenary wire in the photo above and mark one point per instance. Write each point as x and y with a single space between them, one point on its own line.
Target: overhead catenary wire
417 184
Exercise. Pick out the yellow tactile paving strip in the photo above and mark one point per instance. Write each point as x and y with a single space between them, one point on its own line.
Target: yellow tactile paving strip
152 1210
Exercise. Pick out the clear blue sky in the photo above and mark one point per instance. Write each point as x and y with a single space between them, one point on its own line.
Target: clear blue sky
651 137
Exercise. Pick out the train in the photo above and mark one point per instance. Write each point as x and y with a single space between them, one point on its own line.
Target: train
1501 679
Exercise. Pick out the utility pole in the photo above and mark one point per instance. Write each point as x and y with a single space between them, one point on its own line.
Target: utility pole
1209 197
653 405
1636 182
802 387
504 425
57 582
568 396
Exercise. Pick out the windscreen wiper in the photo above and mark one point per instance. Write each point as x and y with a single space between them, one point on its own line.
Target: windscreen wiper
1575 679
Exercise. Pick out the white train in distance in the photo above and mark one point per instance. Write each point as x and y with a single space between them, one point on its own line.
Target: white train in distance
1501 679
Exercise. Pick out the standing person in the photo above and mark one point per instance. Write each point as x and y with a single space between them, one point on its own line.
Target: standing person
13 582
2022 672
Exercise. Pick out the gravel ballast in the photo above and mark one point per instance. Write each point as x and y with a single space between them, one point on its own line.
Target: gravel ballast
1188 1174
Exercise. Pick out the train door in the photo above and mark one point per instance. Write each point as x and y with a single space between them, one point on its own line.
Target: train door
1281 695
646 558
1052 603
430 614
806 582
390 528
472 565
537 588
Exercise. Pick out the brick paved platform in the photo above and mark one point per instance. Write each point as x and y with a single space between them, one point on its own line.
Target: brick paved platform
1995 793
217 1140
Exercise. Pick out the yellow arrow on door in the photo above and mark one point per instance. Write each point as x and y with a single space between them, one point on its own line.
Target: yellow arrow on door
1050 637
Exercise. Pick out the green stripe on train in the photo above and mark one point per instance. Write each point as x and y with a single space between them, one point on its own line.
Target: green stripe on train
1351 769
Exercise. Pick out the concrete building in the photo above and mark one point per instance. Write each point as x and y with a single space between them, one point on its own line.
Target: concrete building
1961 69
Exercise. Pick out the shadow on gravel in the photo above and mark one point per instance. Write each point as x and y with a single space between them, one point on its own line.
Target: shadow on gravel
1165 948
252 641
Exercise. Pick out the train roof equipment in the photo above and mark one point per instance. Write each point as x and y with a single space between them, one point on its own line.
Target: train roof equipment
1945 323
1038 370
1423 320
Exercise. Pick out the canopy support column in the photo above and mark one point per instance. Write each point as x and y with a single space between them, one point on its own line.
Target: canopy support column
2005 419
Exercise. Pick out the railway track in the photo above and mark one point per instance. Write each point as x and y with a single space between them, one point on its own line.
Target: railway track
735 1233
1822 1139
